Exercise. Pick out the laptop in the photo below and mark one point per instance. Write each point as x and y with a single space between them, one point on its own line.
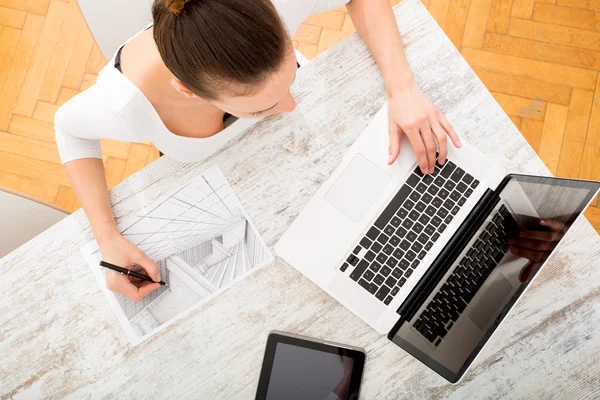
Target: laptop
427 259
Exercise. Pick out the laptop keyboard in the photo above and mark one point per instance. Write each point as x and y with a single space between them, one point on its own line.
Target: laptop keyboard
468 277
407 229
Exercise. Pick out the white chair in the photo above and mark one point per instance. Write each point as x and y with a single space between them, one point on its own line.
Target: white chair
23 218
112 22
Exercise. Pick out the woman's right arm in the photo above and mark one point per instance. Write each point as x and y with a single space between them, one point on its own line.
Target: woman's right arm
79 125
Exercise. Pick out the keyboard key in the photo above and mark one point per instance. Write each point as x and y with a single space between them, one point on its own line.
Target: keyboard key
388 300
457 175
449 185
448 168
442 228
416 247
402 213
455 210
379 279
428 246
398 253
395 291
435 221
391 262
426 198
436 202
395 221
371 287
439 181
389 230
449 219
382 292
410 255
407 273
411 236
422 255
405 245
391 281
381 258
423 238
396 272
415 196
401 282
413 180
416 263
375 266
455 196
449 204
350 258
468 192
420 206
376 247
461 187
461 201
344 267
430 211
383 238
442 212
359 269
403 264
394 241
443 194
370 256
427 179
407 223
430 229
408 204
385 271
365 242
467 178
421 188
392 207
388 249
432 190
435 236
368 275
418 228
401 232
475 184
372 233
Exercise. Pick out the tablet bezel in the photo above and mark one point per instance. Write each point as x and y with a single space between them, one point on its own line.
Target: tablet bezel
275 337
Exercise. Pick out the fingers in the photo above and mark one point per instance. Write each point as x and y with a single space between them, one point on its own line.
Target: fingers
540 235
556 226
150 266
538 245
442 140
430 148
449 129
121 284
419 149
395 136
529 254
146 288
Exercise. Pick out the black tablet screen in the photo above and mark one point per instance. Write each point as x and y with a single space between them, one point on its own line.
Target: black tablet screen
300 373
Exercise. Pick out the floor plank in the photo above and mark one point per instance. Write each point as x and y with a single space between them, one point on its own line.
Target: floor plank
532 132
67 199
12 17
96 61
456 20
327 19
39 188
61 54
569 163
576 77
32 6
579 115
499 16
136 159
79 59
566 16
28 147
15 77
525 87
593 133
33 168
593 216
521 106
32 128
41 60
439 11
593 5
552 53
552 135
476 23
308 34
574 37
8 46
113 170
45 111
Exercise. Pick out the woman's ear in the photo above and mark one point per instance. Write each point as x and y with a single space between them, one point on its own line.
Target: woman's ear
180 87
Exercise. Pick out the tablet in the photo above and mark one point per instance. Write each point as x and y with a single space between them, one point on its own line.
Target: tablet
300 368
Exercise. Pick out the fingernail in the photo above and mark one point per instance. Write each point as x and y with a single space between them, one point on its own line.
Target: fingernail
431 170
459 142
442 161
543 222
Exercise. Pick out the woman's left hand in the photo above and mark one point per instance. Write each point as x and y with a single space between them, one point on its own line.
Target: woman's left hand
411 112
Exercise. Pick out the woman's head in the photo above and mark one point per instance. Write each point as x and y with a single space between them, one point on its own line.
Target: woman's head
236 54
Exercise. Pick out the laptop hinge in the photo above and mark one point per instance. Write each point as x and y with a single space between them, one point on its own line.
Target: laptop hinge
445 258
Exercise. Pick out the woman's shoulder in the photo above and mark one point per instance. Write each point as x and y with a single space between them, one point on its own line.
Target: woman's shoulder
103 104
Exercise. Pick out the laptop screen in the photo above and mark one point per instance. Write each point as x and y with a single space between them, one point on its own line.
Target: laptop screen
529 216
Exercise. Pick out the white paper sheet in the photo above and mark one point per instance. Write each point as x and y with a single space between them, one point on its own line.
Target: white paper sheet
203 241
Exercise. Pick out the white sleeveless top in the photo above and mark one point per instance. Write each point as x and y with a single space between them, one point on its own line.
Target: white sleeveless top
114 108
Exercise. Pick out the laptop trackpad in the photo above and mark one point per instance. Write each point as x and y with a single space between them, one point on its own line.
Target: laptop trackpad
490 302
357 188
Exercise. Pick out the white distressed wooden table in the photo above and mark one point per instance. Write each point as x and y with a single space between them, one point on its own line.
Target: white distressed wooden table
58 338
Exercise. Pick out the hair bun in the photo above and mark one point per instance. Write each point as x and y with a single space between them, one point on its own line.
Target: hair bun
176 6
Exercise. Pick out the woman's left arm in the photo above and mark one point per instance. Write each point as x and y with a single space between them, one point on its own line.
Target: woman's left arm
410 110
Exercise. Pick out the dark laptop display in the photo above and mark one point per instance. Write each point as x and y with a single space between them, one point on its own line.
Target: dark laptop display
481 273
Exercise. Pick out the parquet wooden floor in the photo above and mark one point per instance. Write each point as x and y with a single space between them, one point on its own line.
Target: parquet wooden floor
539 58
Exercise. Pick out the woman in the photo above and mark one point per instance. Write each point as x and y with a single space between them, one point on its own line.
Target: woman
176 83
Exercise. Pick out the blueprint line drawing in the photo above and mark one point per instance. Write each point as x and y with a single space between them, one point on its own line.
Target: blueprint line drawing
202 240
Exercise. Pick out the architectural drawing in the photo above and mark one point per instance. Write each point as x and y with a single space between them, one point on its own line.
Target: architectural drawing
203 242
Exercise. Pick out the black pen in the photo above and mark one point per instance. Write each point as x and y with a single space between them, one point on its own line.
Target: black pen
129 272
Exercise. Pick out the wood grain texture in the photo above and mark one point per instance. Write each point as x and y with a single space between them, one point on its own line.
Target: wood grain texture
475 28
564 35
552 135
274 168
579 115
573 17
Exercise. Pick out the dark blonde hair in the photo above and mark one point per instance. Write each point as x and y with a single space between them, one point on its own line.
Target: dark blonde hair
216 46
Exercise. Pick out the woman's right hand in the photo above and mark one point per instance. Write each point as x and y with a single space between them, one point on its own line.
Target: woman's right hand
120 251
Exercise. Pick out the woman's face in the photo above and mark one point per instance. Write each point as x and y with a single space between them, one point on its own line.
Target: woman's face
272 98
